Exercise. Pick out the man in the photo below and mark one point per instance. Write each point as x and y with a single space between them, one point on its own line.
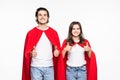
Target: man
41 49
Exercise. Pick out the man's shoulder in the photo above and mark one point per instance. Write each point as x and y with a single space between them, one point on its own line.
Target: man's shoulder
34 28
52 30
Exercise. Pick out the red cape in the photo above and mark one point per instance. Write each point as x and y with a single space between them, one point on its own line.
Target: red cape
90 63
31 40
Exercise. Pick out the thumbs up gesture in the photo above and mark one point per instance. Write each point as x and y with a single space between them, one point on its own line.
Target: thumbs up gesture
34 52
68 47
87 49
56 52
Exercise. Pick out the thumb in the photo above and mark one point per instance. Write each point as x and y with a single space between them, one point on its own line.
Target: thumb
87 44
34 47
68 43
55 47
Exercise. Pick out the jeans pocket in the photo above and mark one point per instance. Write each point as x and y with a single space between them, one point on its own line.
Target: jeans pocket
69 68
83 68
50 67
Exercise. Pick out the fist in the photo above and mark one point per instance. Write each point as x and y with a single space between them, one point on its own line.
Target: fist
33 52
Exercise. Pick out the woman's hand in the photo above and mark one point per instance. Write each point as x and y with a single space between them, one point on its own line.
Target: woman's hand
88 49
66 49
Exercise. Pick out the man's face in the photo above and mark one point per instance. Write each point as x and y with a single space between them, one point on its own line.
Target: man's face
42 17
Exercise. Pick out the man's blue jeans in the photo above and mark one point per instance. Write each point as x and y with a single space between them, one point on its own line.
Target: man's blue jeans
76 73
42 73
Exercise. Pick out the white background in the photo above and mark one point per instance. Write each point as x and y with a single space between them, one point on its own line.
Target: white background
100 21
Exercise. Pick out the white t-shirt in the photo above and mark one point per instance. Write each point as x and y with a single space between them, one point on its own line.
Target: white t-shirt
44 53
76 56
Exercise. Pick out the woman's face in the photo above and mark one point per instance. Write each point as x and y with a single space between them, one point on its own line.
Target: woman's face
76 30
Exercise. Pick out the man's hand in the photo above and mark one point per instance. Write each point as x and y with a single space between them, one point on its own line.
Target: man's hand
56 52
33 52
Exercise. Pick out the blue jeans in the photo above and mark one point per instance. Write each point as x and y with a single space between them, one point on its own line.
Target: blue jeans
76 73
42 73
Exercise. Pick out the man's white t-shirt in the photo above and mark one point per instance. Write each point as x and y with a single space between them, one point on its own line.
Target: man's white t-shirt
44 53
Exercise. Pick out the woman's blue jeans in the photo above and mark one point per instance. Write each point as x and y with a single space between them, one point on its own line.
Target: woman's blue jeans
76 73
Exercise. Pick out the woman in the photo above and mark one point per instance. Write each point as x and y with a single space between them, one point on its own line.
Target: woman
78 55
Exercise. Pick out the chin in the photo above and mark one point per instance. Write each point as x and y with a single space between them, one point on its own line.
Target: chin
43 22
75 35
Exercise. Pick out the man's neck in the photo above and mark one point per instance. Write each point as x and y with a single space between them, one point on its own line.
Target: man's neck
42 26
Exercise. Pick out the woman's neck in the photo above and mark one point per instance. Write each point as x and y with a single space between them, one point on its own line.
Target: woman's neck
76 38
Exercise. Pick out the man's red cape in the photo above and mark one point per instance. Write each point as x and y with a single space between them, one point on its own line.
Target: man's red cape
90 64
31 40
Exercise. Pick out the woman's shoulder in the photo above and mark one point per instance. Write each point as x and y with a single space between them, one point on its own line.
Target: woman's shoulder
86 40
